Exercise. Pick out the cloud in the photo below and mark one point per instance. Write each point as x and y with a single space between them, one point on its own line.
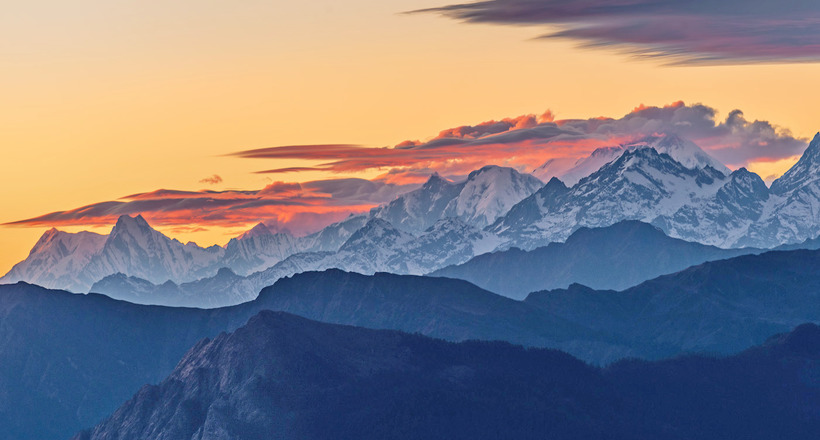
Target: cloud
525 142
212 180
299 207
675 31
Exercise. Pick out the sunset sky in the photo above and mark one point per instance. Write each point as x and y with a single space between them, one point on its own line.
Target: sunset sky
114 101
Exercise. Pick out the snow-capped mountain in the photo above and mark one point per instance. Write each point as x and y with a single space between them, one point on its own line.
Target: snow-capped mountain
421 208
378 246
725 218
136 249
330 238
691 200
641 184
258 248
590 164
686 152
57 259
447 241
793 212
484 196
76 261
676 189
488 193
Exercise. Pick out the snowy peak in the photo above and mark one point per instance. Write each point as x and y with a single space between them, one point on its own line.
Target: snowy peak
377 233
744 183
592 163
136 249
489 193
259 230
684 151
258 249
57 259
133 226
436 183
805 171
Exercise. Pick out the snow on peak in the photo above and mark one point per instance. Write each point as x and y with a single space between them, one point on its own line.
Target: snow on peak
489 193
805 171
684 151
259 230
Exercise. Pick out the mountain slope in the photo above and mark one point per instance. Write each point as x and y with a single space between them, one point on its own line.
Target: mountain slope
683 151
281 376
70 359
793 212
484 196
136 249
258 249
376 247
614 257
641 184
57 260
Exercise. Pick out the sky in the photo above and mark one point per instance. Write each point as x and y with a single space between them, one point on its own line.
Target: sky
209 115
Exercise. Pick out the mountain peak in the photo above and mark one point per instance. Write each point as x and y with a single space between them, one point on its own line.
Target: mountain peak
805 171
435 181
126 222
684 151
486 169
257 231
47 237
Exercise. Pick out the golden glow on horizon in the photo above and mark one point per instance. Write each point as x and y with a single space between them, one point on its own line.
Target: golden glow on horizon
102 100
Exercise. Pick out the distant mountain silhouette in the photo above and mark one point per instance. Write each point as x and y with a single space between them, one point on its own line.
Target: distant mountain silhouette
68 359
285 377
613 257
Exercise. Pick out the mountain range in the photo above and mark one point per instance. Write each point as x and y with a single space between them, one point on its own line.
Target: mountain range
665 181
613 257
69 359
282 376
695 203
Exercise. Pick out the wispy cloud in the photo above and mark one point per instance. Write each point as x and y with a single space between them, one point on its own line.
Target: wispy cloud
298 207
526 141
522 142
675 31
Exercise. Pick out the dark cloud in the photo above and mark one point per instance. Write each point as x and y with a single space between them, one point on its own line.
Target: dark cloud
676 31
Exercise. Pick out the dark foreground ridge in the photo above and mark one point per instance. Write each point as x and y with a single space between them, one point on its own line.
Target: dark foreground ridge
69 360
285 377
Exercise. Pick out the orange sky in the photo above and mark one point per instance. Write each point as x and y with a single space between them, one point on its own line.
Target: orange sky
105 99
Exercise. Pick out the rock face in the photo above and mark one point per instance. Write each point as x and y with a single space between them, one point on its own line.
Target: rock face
615 257
285 377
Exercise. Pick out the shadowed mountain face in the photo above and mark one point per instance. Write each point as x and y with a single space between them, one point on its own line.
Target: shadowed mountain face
68 360
285 377
614 257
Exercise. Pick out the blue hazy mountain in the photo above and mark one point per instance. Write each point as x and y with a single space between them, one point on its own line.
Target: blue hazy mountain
612 257
68 360
286 377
